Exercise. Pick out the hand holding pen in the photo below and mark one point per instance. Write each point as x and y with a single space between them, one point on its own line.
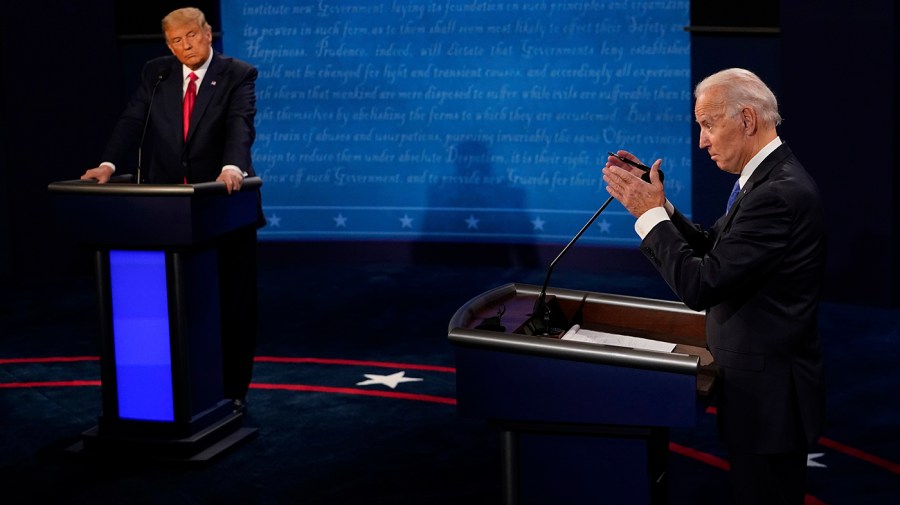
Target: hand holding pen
632 161
621 175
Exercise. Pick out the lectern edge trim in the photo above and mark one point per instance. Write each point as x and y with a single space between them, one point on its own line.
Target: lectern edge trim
576 351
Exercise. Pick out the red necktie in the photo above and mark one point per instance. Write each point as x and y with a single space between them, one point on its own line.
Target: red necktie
190 95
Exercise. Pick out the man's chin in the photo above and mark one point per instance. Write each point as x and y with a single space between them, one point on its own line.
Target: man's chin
191 63
719 164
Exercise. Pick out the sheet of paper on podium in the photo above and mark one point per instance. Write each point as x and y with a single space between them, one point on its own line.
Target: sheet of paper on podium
578 334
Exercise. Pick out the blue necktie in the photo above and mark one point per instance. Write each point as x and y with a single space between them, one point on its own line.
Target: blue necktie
735 191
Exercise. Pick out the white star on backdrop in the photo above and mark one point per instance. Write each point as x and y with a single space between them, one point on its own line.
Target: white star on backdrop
274 221
340 221
605 226
472 222
390 381
538 223
406 221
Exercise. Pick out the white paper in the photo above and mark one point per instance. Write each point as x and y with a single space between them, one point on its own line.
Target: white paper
577 334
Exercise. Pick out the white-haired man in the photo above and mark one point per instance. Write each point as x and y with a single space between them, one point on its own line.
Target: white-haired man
758 271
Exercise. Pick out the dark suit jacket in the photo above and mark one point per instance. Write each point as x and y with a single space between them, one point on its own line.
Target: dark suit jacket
221 130
759 273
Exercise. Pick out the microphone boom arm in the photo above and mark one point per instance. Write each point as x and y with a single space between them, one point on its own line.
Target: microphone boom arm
541 311
163 73
540 306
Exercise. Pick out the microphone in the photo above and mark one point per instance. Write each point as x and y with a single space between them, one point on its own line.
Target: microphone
539 322
161 75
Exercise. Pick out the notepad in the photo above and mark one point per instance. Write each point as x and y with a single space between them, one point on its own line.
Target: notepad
577 334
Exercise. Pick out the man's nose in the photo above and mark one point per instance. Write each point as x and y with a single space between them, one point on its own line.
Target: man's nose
704 140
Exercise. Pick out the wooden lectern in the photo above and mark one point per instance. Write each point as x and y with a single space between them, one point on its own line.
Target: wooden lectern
580 422
160 345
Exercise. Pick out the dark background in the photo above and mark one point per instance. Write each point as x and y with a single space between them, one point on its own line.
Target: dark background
69 67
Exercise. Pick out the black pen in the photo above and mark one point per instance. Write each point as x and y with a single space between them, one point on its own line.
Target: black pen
635 164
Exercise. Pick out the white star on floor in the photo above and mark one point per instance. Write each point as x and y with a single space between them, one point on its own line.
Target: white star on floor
274 221
390 381
811 460
406 221
538 223
340 221
472 222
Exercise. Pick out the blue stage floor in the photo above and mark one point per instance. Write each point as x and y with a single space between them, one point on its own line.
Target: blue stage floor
332 430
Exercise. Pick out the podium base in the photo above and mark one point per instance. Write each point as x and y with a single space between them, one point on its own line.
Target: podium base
201 447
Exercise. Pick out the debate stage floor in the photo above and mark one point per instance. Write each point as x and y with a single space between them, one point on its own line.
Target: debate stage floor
354 398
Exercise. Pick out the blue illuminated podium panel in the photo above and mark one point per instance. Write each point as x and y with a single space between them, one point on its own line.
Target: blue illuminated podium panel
141 337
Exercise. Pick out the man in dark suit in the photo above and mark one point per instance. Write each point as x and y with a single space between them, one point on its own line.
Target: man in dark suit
758 271
208 139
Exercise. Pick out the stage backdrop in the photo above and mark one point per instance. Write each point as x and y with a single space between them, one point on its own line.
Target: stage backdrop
460 120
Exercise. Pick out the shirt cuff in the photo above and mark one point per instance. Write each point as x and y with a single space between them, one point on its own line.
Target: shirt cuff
110 165
653 217
235 168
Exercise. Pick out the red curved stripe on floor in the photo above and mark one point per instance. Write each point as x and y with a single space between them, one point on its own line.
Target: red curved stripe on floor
846 449
285 387
856 453
12 361
352 362
48 384
722 464
355 391
700 456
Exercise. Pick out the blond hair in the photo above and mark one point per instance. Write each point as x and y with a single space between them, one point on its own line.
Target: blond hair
184 16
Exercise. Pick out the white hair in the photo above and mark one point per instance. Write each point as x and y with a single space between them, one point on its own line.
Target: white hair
742 88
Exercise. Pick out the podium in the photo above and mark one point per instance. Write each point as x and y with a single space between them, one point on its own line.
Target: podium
580 422
160 332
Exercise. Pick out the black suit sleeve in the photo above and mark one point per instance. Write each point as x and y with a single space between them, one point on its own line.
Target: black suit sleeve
239 129
702 275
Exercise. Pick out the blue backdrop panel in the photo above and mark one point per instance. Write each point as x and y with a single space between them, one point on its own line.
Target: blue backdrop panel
460 120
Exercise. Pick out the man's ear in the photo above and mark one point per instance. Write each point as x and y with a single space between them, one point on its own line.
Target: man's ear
748 120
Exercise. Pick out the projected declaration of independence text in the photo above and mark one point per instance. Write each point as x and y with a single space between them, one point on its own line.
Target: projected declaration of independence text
460 119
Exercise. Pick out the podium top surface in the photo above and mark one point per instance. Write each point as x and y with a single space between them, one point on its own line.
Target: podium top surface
642 317
156 216
123 186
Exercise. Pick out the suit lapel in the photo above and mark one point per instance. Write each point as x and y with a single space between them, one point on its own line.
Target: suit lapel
759 176
204 95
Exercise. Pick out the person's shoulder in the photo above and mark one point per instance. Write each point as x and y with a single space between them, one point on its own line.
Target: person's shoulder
233 63
786 161
161 61
161 64
791 183
240 71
